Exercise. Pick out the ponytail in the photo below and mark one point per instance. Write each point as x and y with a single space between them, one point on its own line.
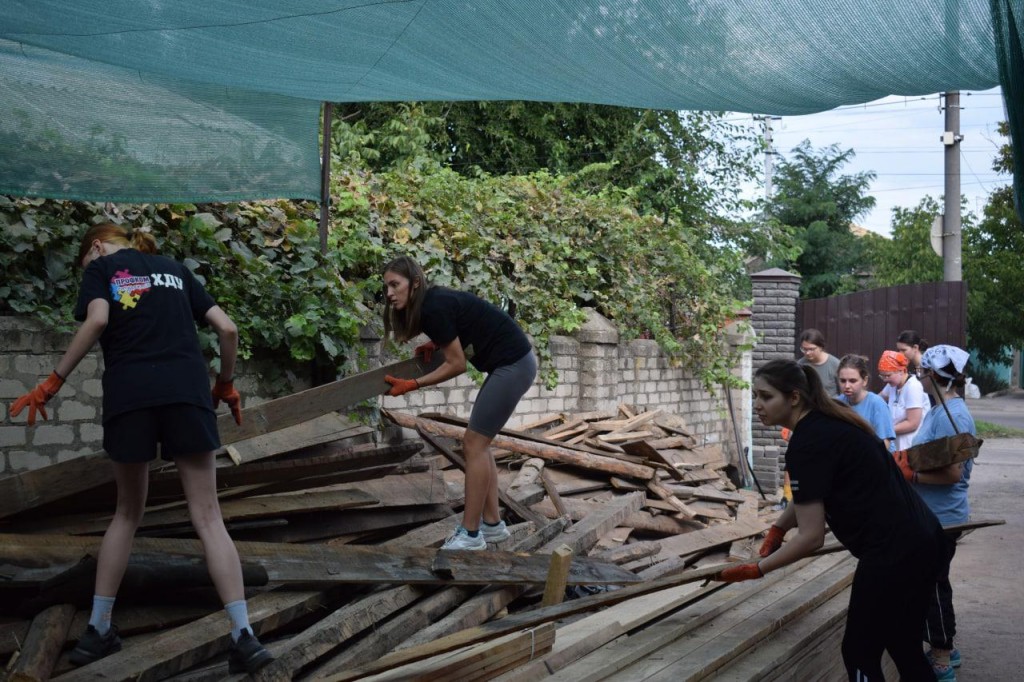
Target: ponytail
786 376
140 239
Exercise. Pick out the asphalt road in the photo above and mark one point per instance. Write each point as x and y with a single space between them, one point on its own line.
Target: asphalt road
988 594
1005 410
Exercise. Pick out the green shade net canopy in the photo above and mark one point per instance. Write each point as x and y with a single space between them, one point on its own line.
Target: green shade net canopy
181 99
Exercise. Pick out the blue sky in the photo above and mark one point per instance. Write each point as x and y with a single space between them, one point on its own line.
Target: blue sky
898 139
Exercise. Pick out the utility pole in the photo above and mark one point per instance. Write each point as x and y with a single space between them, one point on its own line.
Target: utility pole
951 238
769 153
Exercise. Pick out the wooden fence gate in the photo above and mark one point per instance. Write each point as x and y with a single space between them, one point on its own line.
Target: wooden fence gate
868 322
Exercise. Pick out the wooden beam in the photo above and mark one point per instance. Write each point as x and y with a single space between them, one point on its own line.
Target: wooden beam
43 644
558 573
314 563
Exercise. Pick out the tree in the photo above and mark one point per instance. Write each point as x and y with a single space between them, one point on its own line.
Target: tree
991 263
812 197
995 280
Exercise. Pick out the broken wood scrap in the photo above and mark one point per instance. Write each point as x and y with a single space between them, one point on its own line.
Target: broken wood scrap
664 494
43 644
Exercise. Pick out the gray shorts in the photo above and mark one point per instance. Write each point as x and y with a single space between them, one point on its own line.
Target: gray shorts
500 394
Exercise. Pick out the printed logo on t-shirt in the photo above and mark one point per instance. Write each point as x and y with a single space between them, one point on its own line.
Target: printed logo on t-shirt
127 289
794 484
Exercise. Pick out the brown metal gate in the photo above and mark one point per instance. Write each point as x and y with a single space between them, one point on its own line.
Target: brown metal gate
868 322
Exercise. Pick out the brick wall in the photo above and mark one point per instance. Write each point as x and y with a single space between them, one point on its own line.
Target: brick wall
596 371
776 297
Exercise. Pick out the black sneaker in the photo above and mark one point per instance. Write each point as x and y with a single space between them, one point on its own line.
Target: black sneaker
247 655
92 646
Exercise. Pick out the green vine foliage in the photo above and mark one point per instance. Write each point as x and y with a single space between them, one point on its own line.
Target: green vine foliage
544 246
260 261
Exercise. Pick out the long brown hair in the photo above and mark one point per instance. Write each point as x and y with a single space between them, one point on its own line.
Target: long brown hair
115 234
787 376
404 324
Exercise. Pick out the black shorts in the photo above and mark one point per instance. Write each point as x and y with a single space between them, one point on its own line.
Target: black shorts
179 429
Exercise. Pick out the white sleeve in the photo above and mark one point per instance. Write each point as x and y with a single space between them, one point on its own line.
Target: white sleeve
914 395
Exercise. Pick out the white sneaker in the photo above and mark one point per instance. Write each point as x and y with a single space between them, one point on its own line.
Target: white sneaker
461 539
495 533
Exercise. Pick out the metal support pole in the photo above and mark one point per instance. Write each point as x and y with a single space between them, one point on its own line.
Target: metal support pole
325 177
951 238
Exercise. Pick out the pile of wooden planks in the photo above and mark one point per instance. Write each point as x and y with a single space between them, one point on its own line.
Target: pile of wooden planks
338 538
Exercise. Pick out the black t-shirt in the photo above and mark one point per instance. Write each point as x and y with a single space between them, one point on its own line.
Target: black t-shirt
150 346
869 506
496 339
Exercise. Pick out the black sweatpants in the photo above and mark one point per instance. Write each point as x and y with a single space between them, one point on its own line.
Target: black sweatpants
888 605
940 625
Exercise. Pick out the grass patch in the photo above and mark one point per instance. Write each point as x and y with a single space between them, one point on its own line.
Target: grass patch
990 430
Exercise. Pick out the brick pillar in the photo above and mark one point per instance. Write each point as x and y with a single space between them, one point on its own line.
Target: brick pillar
776 296
599 358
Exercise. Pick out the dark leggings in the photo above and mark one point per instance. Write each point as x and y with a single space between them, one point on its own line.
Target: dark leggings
887 609
940 626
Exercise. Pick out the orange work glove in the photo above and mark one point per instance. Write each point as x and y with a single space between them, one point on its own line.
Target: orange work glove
737 574
772 541
226 391
901 461
401 386
37 397
425 351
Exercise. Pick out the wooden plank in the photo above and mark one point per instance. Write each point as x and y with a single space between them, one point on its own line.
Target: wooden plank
558 574
707 538
43 644
700 654
336 628
478 662
352 522
316 429
641 520
277 414
779 651
385 635
583 636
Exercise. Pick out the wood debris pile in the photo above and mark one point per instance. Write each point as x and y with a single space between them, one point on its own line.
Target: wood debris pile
616 518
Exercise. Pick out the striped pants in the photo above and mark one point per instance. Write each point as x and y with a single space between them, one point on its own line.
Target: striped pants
940 625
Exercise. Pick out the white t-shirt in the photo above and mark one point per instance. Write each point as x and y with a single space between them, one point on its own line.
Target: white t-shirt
911 395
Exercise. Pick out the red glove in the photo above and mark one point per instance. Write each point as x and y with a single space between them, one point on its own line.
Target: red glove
37 397
401 386
901 461
226 391
737 574
425 351
772 541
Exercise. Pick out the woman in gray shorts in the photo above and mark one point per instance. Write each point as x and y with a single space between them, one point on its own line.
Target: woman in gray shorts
453 321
